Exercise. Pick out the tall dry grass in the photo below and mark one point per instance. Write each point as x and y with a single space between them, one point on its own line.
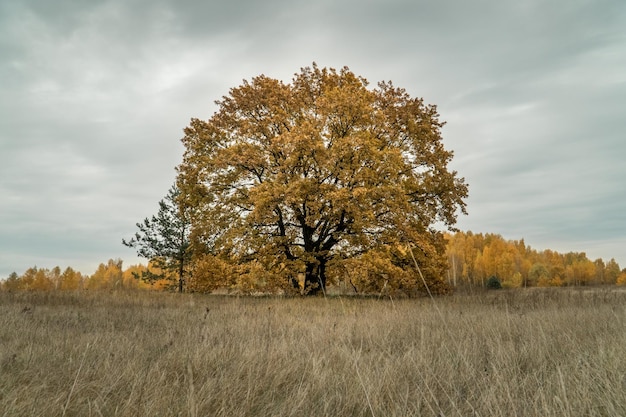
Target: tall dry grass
509 353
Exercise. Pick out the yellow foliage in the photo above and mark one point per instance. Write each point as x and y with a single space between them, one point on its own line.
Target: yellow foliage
472 258
107 276
391 271
210 273
41 282
516 281
307 174
130 277
545 281
71 280
557 281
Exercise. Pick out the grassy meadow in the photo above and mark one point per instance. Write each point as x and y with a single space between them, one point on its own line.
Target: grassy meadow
535 352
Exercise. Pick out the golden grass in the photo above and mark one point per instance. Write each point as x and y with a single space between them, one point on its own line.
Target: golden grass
555 352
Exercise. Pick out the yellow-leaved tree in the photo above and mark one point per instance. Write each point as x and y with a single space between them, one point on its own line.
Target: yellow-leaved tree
297 179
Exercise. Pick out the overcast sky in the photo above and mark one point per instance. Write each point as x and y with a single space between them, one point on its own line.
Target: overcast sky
94 95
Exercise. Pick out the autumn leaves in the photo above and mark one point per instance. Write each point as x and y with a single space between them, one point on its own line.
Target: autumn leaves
300 178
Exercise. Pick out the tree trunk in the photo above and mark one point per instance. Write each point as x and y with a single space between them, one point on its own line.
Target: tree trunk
181 271
315 277
322 275
294 283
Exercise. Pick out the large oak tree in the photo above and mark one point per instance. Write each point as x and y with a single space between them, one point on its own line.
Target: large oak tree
302 176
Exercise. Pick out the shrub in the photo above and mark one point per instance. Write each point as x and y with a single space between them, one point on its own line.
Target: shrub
493 283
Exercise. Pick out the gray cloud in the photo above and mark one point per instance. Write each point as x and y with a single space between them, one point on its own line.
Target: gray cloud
95 95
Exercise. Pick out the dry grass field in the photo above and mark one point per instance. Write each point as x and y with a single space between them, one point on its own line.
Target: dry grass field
556 352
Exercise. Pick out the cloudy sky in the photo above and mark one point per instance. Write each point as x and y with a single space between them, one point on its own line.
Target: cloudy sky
94 95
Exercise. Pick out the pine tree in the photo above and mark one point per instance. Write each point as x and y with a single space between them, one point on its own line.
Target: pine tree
164 240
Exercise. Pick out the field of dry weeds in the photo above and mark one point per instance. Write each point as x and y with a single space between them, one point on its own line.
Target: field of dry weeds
553 352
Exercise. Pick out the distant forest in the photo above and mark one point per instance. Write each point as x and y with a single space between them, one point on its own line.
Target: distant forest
473 259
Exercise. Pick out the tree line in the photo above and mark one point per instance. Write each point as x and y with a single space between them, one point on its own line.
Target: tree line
108 276
474 258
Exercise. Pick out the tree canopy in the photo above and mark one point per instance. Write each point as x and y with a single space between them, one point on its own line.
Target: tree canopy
319 177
